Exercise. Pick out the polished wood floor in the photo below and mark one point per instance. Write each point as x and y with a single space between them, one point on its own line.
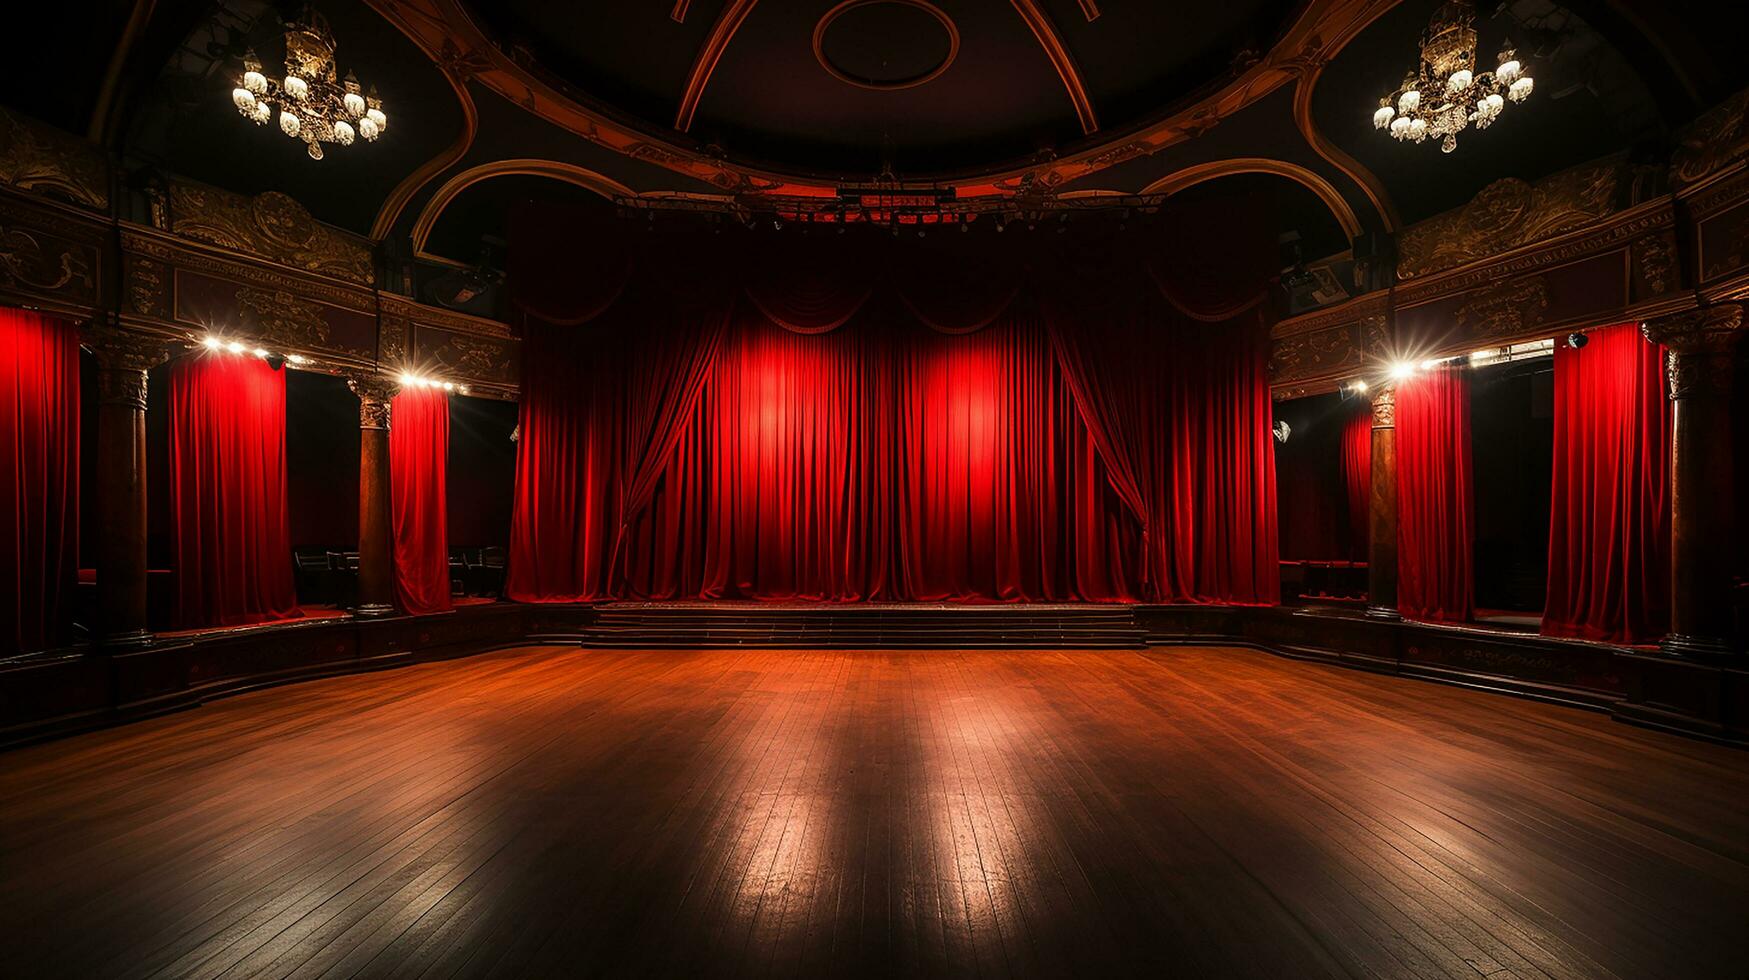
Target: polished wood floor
1179 812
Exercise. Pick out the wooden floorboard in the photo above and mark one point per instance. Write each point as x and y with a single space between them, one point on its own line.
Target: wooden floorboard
560 812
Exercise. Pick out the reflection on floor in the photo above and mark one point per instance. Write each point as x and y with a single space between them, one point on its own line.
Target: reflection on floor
1189 812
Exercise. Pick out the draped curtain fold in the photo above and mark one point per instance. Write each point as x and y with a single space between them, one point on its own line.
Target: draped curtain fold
1357 477
418 503
1609 517
817 443
1435 497
230 532
39 441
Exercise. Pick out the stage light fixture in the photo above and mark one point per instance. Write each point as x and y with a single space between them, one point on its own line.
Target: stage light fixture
1357 386
1577 340
234 347
1431 363
212 343
1402 370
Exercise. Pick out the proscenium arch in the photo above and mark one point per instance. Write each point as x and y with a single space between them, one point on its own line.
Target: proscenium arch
568 173
1205 172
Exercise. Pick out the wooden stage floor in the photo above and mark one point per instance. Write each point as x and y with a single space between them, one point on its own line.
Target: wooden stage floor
1183 812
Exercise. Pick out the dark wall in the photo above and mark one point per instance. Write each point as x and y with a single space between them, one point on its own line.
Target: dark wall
1311 502
321 455
1512 432
482 471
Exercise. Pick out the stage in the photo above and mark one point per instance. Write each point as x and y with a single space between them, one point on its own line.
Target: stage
1186 811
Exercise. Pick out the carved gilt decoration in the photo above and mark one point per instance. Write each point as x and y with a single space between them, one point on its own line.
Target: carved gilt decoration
40 159
148 288
30 262
123 358
1715 139
284 318
1384 407
374 395
1506 214
1655 256
270 225
1699 348
1504 309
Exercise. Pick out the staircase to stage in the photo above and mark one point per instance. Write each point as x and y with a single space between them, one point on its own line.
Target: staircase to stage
874 625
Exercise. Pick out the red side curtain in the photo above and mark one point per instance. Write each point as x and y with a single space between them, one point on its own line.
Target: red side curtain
1357 477
1435 497
39 442
418 505
1609 519
229 527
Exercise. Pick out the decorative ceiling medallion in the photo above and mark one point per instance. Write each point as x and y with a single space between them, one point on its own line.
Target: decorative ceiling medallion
863 78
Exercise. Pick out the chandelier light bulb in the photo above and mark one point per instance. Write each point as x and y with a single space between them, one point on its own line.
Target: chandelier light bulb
262 113
1521 89
354 104
1460 80
375 115
343 133
1509 69
1409 101
288 123
1382 118
367 128
1417 129
244 100
296 87
1400 127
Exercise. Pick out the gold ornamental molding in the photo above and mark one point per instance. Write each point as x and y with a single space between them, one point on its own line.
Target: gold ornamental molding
272 226
44 160
1509 213
1045 32
446 32
396 202
452 188
1334 155
704 64
1714 141
1204 172
141 243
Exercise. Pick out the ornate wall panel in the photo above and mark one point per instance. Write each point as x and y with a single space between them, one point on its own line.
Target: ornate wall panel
1317 351
1717 139
457 347
1589 292
51 256
44 160
1507 214
271 226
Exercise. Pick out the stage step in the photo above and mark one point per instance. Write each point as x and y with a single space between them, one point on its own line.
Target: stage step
824 626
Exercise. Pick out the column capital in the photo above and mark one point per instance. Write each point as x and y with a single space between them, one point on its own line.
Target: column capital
1698 347
1384 406
123 358
374 393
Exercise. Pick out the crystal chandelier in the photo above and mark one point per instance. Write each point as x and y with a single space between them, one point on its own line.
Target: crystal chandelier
1446 94
312 105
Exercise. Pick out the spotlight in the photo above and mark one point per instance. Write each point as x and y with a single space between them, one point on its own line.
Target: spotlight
274 361
234 347
1430 363
1577 340
1402 370
258 352
1357 386
408 379
212 343
296 359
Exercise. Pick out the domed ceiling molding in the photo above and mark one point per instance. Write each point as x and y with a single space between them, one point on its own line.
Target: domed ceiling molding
452 188
1351 168
396 202
448 34
1052 43
1204 172
831 17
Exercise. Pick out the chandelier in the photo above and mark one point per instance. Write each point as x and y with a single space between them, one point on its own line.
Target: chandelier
1445 93
312 105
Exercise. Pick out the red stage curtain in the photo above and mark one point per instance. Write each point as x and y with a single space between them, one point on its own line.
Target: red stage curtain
418 450
883 462
568 264
602 407
1435 498
230 531
1357 478
804 287
1609 520
39 441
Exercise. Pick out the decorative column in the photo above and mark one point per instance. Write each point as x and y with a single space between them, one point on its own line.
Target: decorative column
376 588
120 527
1699 369
1381 555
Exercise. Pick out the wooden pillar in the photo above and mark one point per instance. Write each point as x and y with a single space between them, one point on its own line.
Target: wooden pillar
1381 556
376 588
1699 369
120 520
